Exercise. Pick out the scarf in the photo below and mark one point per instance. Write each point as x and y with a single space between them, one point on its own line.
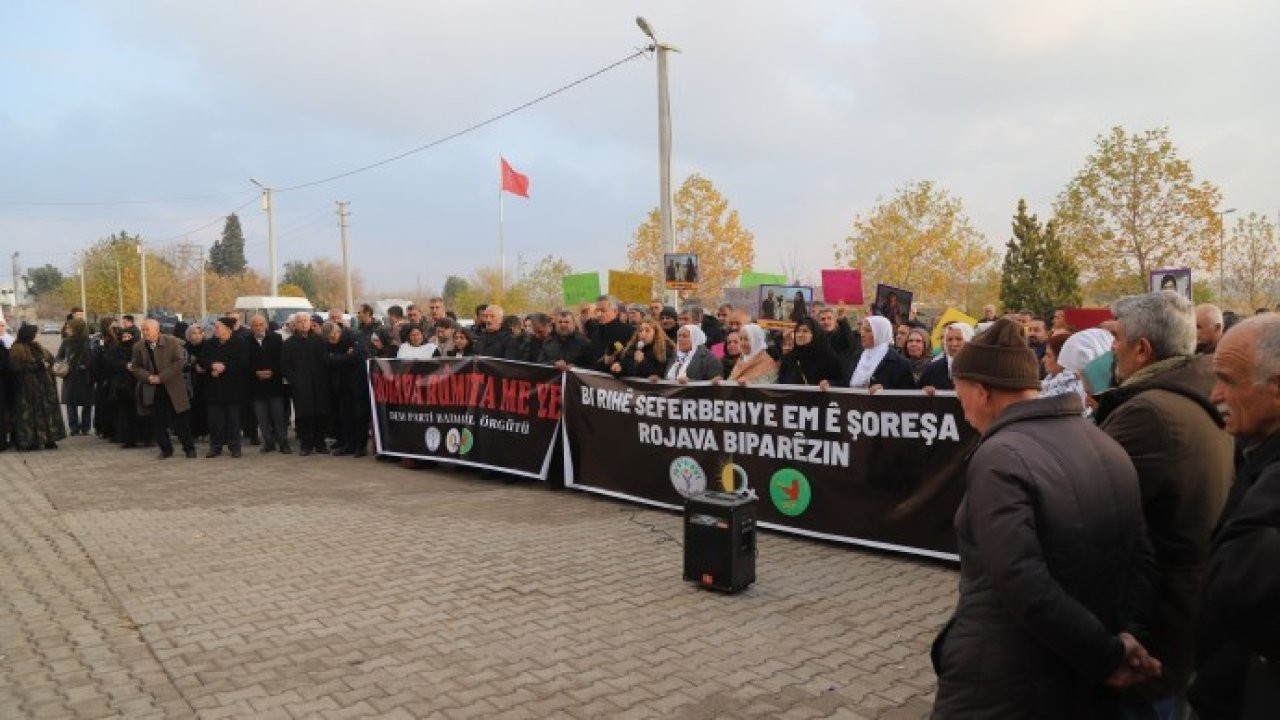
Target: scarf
882 334
755 365
680 367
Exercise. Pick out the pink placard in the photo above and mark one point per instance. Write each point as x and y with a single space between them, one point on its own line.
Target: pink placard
842 286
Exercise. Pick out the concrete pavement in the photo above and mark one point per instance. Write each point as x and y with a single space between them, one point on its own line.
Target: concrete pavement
287 587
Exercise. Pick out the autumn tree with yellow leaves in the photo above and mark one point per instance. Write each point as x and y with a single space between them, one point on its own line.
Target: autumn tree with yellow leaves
703 224
921 240
1134 207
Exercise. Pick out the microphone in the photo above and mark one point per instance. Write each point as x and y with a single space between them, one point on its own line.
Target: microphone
640 345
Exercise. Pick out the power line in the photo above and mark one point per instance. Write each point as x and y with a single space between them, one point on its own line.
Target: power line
472 128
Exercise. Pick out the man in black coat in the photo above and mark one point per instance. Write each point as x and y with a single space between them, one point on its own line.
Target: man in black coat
1238 656
303 364
566 347
609 334
493 338
225 360
1051 541
266 386
348 389
531 343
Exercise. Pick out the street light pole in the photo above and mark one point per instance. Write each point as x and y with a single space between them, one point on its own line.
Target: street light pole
346 264
142 250
1222 254
664 140
84 296
269 205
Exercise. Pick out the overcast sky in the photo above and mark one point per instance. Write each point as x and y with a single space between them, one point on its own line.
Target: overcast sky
803 114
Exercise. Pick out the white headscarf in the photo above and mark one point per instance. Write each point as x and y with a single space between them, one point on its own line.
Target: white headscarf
882 336
1083 348
679 368
966 332
756 337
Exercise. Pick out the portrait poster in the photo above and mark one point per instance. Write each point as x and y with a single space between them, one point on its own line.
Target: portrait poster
781 306
1176 279
893 303
680 270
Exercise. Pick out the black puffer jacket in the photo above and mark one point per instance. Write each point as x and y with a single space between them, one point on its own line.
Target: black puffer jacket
1051 538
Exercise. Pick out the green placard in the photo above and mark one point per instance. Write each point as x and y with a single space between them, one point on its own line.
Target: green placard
751 278
581 288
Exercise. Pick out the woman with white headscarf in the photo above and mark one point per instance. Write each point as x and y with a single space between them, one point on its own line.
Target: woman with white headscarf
756 365
880 366
937 376
693 360
1066 366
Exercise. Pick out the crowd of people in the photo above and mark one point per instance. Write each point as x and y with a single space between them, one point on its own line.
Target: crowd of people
1119 539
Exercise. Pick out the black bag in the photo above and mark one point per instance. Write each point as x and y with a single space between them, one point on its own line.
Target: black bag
148 395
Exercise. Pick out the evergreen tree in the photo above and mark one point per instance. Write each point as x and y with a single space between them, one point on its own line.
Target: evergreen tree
300 274
226 257
1037 274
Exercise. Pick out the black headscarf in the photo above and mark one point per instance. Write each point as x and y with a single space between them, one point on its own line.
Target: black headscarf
813 362
26 333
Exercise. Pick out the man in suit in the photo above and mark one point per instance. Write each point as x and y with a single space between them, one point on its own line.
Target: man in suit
266 388
224 360
157 364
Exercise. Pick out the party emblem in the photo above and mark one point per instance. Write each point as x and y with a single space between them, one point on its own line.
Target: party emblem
687 476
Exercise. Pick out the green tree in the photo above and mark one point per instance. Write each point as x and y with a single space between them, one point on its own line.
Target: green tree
1134 207
301 274
454 287
703 224
43 280
920 240
226 256
1037 273
542 288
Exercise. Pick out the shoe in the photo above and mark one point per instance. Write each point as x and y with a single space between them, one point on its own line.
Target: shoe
128 446
266 449
360 453
235 453
165 454
254 441
322 450
342 451
285 449
51 445
304 452
189 452
213 453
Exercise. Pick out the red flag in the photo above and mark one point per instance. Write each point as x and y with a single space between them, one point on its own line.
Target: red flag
512 181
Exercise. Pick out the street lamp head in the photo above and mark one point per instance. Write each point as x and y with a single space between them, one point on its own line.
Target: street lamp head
255 182
645 28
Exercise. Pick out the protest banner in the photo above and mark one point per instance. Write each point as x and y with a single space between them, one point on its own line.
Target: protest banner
489 413
780 307
751 279
951 315
630 287
893 303
680 270
581 288
883 470
842 285
1084 318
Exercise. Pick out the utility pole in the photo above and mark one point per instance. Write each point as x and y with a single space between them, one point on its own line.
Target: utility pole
187 249
269 205
204 310
664 142
84 296
343 214
119 284
142 250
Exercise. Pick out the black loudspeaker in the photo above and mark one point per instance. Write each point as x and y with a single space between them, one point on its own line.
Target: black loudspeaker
720 540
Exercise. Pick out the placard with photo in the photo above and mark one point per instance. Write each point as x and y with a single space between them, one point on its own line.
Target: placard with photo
781 306
893 303
680 270
1176 279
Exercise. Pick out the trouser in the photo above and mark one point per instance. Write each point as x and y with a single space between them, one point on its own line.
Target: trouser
224 426
163 416
249 421
79 418
270 415
310 432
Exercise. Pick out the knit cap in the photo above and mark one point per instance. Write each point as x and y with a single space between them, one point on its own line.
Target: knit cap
999 358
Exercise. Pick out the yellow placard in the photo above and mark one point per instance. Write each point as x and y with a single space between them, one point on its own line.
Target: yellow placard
630 287
952 315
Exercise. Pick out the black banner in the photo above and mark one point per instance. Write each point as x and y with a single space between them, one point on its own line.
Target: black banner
884 470
489 413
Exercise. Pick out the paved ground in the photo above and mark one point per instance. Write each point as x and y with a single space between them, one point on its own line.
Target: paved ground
333 587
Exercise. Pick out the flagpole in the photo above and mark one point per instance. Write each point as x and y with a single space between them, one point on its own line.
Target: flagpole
502 250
